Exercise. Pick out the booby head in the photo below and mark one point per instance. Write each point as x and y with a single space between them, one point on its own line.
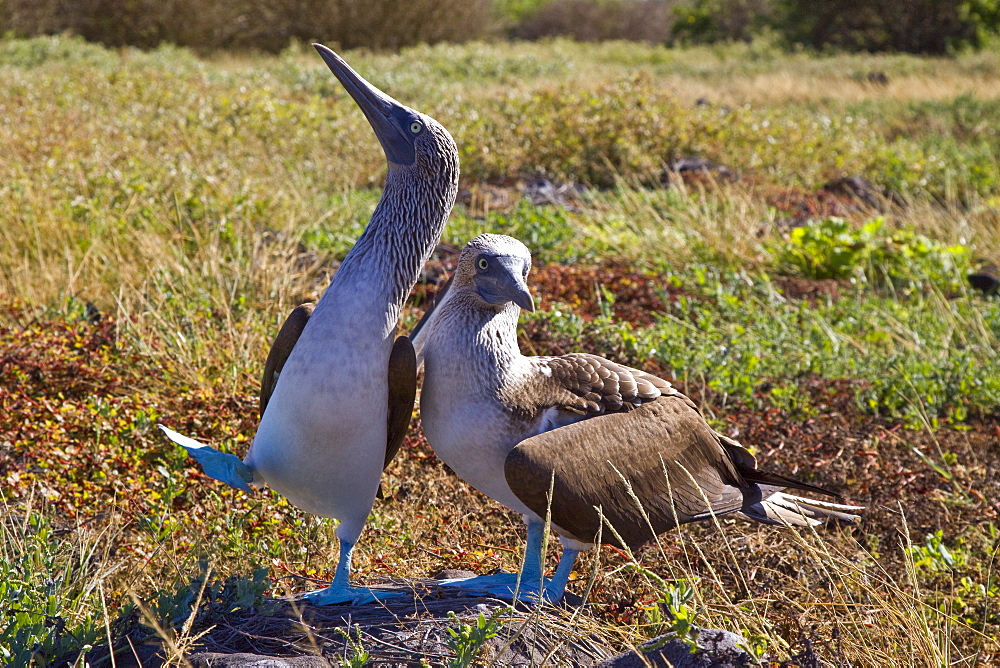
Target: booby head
493 268
408 137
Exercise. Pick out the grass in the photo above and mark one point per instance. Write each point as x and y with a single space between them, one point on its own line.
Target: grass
160 214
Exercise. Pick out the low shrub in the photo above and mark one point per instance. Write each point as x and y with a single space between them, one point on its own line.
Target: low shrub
900 259
589 21
271 26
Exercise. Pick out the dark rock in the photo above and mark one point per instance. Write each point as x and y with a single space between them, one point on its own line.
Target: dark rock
543 192
878 77
986 279
863 190
217 660
716 649
452 574
91 313
398 631
698 167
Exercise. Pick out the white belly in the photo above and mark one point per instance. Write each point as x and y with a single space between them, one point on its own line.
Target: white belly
466 431
321 442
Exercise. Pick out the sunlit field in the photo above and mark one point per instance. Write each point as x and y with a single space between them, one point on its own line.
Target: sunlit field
160 215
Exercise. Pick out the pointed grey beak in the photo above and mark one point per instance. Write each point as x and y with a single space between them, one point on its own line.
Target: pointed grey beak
382 112
522 297
504 282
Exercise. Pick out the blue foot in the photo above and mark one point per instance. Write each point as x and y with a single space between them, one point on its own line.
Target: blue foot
222 466
336 594
500 585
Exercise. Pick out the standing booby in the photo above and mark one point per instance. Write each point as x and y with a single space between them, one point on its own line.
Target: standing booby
603 437
339 387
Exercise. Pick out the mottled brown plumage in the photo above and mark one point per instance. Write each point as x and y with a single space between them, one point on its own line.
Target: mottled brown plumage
593 442
583 384
662 455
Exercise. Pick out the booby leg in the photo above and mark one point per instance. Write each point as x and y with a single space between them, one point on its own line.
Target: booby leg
556 587
504 585
222 466
340 589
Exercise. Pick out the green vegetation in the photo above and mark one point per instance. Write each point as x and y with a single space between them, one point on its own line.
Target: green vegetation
910 26
50 601
161 213
467 640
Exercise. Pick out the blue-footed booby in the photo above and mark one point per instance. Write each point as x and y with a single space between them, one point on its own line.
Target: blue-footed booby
338 388
601 448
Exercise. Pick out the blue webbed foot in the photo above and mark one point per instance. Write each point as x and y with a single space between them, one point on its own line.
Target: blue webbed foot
336 594
532 588
500 585
221 466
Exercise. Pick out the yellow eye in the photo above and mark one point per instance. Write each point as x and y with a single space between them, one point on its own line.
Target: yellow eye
483 264
416 127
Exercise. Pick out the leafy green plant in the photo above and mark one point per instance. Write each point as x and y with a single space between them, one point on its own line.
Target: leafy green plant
674 601
936 556
359 655
47 607
672 612
467 640
901 259
202 602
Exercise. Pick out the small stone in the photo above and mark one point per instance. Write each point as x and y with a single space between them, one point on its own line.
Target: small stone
453 574
716 649
986 279
216 660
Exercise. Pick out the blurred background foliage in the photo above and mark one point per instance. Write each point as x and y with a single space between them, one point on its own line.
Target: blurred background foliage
911 26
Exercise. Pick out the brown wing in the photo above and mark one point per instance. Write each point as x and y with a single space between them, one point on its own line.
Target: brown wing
402 393
585 384
665 451
281 349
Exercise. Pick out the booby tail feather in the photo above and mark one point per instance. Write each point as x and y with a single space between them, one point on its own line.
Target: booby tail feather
222 466
780 508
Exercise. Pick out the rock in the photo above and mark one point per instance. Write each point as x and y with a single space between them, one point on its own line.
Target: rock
217 660
863 190
716 649
986 279
395 632
698 168
543 192
453 574
878 77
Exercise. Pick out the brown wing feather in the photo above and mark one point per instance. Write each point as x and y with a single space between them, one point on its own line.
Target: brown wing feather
586 385
667 433
402 394
281 349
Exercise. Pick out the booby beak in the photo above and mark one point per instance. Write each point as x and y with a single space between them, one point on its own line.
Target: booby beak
505 283
523 299
388 118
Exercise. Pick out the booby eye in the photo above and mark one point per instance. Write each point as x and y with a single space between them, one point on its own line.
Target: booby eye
483 264
416 127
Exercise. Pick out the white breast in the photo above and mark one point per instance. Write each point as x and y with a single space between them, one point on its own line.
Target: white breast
467 428
321 441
